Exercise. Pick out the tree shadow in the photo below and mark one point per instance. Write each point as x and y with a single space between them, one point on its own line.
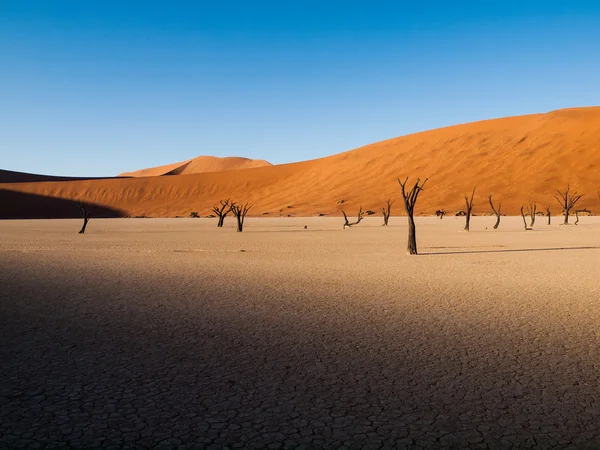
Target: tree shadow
515 250
21 205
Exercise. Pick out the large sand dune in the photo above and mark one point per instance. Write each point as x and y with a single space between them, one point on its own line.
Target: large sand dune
201 164
518 159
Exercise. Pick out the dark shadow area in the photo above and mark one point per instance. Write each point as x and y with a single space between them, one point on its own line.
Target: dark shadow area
9 176
472 252
21 205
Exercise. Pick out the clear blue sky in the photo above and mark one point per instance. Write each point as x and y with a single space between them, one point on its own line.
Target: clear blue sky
93 88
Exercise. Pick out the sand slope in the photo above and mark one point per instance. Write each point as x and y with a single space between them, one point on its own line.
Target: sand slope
201 164
518 159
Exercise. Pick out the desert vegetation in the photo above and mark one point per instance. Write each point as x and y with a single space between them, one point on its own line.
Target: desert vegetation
86 217
567 200
410 199
496 211
386 211
240 212
222 210
469 203
359 217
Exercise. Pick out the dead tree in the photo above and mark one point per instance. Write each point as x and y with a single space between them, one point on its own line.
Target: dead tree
548 214
386 211
577 211
469 203
524 220
440 213
567 201
360 216
532 210
496 211
222 211
410 198
86 217
240 213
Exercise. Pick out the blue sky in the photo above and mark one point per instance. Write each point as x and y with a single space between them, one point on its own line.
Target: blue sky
94 88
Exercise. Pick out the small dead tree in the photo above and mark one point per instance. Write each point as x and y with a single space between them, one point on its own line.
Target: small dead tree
469 203
577 211
524 220
360 216
496 211
440 213
386 211
567 201
548 214
240 213
86 217
222 211
532 210
410 198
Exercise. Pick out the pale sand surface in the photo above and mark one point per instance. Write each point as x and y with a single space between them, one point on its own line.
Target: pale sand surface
163 333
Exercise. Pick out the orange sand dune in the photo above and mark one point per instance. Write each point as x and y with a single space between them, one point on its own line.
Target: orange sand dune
518 159
201 164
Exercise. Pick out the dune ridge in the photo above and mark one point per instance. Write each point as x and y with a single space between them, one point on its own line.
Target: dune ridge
519 159
201 164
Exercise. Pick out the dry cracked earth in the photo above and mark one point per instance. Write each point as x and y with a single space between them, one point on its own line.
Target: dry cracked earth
173 334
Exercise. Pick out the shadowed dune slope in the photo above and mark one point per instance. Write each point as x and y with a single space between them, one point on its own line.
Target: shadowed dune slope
518 159
201 164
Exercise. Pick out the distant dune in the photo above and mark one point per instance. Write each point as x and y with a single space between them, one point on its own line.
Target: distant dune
518 159
201 164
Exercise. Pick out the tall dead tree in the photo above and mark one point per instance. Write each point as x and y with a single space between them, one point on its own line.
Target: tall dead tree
410 198
532 210
222 211
469 203
86 217
240 213
386 211
524 220
567 201
496 211
360 216
548 214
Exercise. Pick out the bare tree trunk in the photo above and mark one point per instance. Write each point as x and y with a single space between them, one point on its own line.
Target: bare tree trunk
410 199
86 217
524 220
386 211
411 248
532 211
496 211
469 203
567 201
548 214
240 213
222 211
358 219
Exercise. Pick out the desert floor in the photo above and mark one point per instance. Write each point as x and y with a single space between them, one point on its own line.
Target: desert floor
172 332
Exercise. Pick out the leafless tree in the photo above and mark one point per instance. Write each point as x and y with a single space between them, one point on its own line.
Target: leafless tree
524 220
386 211
577 211
410 198
86 217
496 211
567 201
360 216
240 213
222 210
440 213
548 214
469 203
532 210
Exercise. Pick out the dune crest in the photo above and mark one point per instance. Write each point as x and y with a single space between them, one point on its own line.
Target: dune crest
519 159
201 164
